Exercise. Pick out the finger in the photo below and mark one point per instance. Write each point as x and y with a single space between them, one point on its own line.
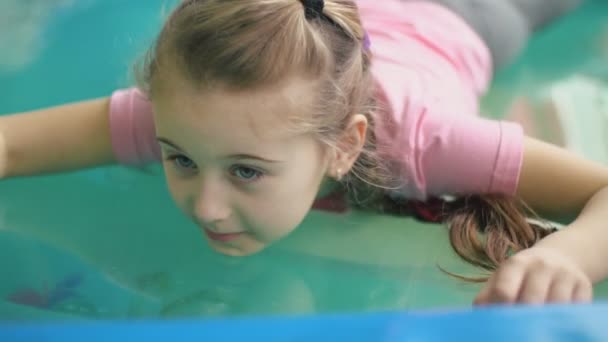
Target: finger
561 290
483 297
583 292
506 283
535 287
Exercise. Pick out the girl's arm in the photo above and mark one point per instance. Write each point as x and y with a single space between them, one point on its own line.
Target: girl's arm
561 267
557 182
62 138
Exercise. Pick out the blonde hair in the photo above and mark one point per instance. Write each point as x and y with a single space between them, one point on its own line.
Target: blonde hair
242 45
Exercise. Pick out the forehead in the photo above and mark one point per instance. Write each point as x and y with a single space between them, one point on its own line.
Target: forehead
230 118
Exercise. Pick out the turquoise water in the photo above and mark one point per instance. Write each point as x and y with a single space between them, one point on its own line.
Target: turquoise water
109 243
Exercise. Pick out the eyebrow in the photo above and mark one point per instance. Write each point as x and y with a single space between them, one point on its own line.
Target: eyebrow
169 143
232 156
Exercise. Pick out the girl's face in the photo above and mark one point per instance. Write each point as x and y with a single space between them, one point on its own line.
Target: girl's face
232 163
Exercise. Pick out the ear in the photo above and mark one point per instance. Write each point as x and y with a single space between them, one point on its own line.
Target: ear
349 146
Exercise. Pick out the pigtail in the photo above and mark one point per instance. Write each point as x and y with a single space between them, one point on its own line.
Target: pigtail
485 230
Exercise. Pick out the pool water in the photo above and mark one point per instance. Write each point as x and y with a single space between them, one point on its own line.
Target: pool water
109 243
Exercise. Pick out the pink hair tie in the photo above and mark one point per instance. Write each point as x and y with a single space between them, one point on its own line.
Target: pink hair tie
367 43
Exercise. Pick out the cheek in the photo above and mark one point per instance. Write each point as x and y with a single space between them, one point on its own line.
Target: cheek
275 219
178 191
280 211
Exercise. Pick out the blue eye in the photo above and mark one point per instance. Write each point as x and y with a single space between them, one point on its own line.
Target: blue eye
246 173
183 162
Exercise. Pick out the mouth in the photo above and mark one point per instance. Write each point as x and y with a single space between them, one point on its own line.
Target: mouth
222 237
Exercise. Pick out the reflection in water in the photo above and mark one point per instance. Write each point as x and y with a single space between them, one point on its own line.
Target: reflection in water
22 24
257 285
50 281
279 283
289 295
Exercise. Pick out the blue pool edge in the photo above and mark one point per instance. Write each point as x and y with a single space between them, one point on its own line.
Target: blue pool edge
553 322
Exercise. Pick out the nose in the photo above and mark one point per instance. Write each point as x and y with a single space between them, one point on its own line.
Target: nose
212 205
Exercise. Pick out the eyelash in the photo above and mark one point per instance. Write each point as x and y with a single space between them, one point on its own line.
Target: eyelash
258 173
174 158
233 169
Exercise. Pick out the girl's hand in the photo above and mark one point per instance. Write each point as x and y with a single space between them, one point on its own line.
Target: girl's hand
535 276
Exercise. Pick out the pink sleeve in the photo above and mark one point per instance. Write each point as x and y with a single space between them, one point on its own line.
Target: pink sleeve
132 128
462 155
431 68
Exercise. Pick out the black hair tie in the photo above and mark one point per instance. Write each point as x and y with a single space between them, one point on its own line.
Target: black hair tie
313 8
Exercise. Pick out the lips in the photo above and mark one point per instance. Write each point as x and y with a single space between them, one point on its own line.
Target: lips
221 237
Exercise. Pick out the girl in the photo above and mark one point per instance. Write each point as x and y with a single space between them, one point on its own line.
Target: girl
262 110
